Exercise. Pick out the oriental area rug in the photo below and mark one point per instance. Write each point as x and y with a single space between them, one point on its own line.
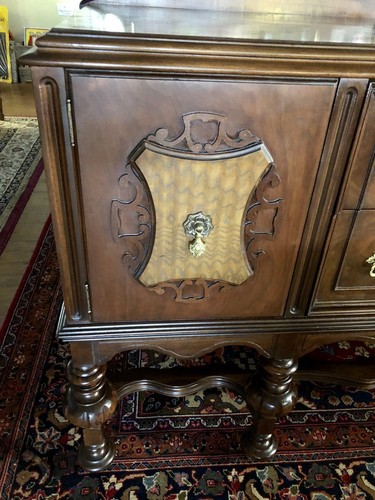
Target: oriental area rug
167 448
20 168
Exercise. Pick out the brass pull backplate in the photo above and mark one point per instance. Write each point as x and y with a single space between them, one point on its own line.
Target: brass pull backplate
198 226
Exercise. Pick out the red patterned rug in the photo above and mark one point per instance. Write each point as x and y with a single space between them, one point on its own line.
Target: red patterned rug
167 448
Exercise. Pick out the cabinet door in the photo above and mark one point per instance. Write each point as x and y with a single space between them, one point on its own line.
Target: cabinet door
346 280
234 163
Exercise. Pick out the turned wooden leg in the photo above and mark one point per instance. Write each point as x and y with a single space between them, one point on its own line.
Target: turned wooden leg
90 401
270 394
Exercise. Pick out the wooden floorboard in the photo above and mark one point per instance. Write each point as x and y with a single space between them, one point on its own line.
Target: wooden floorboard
18 100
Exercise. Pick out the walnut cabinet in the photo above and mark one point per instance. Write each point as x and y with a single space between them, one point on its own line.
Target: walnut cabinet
206 190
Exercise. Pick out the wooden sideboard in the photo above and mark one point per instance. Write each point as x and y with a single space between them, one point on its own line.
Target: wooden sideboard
211 183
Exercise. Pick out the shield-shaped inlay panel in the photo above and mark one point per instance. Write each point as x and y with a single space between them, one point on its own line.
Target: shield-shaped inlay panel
194 209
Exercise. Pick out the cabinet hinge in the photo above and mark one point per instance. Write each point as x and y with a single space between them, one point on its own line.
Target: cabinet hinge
88 300
70 121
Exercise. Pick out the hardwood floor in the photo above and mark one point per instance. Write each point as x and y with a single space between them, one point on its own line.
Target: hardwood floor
18 100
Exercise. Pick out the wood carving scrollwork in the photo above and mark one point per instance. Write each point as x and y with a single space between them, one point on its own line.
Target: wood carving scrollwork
253 231
191 289
132 219
216 139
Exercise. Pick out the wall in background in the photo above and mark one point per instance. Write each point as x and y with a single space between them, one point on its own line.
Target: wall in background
34 14
43 13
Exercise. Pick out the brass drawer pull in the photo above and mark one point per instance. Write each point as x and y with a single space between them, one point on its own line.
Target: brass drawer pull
371 260
199 226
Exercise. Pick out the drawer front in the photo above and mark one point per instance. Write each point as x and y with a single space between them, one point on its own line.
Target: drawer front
152 153
346 280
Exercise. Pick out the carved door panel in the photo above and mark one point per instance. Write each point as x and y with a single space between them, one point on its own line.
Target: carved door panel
195 193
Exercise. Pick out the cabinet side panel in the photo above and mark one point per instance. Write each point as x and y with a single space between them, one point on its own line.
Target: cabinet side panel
63 190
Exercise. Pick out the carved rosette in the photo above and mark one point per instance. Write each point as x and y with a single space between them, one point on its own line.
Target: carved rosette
133 218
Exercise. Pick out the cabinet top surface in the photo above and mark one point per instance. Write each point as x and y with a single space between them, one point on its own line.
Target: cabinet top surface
215 38
339 22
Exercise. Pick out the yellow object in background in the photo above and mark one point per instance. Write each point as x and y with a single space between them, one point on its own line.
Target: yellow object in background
31 34
5 69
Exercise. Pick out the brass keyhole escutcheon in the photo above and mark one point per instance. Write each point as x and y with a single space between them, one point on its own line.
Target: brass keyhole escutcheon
371 260
198 226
